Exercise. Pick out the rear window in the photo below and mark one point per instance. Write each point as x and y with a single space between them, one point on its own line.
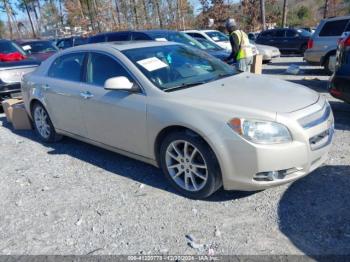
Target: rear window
118 37
97 39
334 28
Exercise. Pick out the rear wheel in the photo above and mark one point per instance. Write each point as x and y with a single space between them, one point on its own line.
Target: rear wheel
190 165
43 125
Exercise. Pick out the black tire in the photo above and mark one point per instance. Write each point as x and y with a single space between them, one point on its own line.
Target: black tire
53 136
326 66
303 49
214 178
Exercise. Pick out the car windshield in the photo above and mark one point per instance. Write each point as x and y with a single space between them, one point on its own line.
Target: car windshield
209 45
177 37
41 47
217 36
174 67
303 32
7 47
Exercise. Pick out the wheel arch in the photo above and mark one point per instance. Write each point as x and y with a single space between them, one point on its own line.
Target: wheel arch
179 128
327 55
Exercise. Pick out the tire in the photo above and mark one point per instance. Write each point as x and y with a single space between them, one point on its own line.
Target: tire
43 126
326 66
201 182
303 49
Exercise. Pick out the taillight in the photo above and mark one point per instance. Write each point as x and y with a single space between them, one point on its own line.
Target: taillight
347 41
310 44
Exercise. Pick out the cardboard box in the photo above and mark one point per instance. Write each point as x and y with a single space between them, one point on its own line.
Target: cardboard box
20 118
8 103
256 67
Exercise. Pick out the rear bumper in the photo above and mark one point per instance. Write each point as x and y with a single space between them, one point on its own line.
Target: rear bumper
6 89
313 57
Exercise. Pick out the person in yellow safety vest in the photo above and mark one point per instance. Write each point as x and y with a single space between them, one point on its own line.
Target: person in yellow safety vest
242 52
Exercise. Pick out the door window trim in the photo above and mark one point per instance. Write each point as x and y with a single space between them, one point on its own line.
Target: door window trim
87 59
67 54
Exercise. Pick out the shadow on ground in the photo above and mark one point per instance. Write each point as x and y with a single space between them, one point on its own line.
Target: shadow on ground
314 212
117 164
341 111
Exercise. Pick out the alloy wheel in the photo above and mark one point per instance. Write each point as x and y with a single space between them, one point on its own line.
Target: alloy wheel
41 122
186 165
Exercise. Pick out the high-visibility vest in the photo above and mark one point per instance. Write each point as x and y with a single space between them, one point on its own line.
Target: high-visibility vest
245 49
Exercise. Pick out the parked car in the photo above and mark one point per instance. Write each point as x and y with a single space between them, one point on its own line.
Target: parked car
14 63
285 39
323 43
340 81
71 41
214 49
39 49
198 119
157 35
268 52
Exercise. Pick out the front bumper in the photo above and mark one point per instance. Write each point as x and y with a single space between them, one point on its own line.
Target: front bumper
6 89
241 160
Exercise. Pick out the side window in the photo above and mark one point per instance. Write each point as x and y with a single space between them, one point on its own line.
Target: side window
291 33
266 34
67 43
68 67
60 44
334 28
196 35
101 67
124 36
97 39
279 33
140 36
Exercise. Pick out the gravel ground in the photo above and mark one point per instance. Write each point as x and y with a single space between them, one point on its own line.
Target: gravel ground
74 198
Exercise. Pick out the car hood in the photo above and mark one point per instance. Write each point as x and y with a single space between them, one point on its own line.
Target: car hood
250 92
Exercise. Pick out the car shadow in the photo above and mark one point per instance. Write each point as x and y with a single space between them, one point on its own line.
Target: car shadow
117 164
314 212
341 112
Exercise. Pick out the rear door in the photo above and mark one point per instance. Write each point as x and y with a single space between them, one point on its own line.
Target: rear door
292 40
62 90
279 39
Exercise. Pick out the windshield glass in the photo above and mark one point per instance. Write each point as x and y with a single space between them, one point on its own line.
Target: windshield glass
7 47
41 47
177 37
217 36
303 32
177 66
208 45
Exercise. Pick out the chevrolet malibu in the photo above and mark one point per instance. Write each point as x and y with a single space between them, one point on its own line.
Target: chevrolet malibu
203 123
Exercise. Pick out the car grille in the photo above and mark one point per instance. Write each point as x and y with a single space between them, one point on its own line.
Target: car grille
316 118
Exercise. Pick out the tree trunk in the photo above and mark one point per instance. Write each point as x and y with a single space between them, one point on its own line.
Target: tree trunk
285 10
135 14
30 18
117 11
8 12
262 13
156 4
325 11
144 3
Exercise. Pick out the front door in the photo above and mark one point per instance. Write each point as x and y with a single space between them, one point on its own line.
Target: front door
112 117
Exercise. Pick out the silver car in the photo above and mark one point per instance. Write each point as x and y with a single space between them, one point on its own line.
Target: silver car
203 123
323 44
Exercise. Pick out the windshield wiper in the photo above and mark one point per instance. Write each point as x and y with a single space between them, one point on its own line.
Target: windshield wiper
183 86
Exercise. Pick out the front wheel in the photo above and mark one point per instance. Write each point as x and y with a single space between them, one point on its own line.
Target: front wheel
43 125
190 165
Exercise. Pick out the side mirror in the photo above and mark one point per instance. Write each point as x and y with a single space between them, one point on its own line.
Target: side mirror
120 83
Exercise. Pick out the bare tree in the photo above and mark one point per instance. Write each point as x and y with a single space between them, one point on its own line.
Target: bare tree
284 15
326 6
262 14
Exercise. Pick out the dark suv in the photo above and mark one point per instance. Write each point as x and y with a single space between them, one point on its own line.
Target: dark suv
285 39
340 82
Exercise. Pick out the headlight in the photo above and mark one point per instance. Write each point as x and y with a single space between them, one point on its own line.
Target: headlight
261 132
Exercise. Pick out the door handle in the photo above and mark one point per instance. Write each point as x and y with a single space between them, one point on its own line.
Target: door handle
45 87
86 95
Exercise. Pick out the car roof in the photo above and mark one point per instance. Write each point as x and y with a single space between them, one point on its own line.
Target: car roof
336 18
124 45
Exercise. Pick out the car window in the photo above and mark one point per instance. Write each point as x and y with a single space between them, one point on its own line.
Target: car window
140 36
267 34
41 47
68 67
80 41
101 67
334 28
124 36
279 33
291 33
347 28
97 39
217 36
196 35
7 47
177 66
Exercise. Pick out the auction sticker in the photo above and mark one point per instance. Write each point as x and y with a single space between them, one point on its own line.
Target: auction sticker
152 64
